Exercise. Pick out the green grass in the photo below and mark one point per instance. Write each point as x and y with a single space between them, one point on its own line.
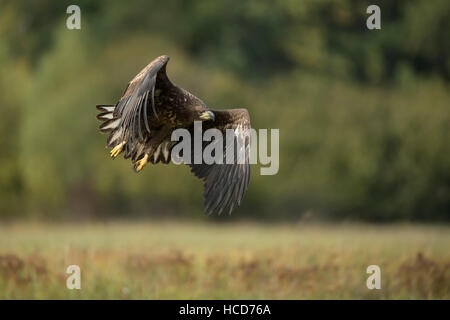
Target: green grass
169 260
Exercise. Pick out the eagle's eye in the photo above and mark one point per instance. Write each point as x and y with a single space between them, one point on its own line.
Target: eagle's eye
207 115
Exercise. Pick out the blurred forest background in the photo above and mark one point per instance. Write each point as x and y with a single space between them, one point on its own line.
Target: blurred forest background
364 116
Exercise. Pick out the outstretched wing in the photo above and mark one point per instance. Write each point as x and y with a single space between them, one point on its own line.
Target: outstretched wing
225 184
128 121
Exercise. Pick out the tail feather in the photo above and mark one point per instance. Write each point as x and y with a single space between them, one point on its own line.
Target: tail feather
105 107
113 138
110 124
105 116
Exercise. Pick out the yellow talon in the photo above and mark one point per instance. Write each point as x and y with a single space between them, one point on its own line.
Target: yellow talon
117 150
140 164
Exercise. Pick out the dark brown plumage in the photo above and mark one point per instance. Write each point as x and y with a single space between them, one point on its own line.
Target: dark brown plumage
151 108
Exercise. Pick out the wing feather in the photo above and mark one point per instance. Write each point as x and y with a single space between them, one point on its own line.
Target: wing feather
125 119
225 184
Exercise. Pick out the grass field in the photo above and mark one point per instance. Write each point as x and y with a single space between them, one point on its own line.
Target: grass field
170 260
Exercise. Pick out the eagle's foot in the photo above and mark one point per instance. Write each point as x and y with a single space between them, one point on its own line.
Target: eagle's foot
140 164
117 150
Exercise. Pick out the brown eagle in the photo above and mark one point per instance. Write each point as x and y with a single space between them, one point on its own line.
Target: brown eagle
141 123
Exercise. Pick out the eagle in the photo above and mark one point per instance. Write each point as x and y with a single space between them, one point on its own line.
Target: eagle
141 123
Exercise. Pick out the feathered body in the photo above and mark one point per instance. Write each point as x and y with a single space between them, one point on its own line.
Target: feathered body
151 108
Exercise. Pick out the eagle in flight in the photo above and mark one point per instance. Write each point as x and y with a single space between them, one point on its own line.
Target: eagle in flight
141 123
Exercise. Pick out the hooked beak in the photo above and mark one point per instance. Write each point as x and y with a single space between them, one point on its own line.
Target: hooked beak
207 115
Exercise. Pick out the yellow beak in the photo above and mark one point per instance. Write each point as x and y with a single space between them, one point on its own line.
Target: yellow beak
207 115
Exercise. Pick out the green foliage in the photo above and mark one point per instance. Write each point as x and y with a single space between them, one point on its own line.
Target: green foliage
363 115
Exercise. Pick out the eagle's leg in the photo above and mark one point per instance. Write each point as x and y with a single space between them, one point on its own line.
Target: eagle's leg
150 150
117 150
140 164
